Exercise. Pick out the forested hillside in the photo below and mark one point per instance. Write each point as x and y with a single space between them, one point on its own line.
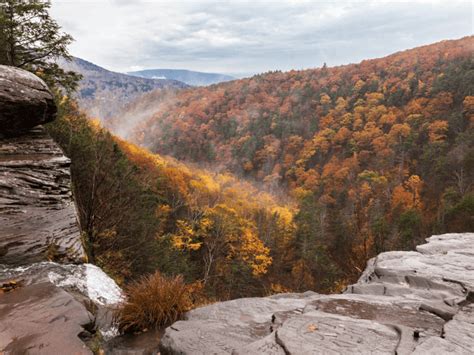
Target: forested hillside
378 155
371 157
141 213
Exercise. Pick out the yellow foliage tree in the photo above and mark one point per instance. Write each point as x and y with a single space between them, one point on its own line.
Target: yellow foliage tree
437 131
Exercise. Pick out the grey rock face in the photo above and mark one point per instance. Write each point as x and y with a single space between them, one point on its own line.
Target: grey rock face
56 308
25 101
37 214
405 302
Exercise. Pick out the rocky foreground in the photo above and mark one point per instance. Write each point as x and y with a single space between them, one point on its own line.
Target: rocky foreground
405 302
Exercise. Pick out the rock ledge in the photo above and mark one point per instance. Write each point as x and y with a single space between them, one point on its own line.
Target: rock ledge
405 302
37 214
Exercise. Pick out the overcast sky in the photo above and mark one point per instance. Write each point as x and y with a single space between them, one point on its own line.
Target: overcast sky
253 36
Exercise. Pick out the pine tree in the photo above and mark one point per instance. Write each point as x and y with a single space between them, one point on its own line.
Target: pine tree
30 39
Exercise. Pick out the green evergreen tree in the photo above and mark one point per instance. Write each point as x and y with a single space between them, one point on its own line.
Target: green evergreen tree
30 39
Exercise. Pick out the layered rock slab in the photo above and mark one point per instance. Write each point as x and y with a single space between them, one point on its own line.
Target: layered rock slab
405 302
37 214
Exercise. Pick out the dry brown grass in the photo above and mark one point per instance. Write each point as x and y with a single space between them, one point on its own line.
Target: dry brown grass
156 301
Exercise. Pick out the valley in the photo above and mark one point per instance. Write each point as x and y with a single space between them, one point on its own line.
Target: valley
376 156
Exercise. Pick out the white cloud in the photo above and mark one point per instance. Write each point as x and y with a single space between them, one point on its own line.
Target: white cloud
253 36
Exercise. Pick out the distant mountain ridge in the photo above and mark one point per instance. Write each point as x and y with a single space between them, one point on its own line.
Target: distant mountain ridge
193 78
102 93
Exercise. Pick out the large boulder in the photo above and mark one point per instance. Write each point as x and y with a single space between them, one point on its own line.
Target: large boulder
84 279
25 101
405 302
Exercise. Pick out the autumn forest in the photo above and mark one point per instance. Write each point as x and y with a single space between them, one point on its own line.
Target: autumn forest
283 181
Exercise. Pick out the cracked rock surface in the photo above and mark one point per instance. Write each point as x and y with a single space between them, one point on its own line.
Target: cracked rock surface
405 302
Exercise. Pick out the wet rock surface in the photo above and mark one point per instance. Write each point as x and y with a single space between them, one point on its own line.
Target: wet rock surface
85 279
37 214
56 308
25 101
42 319
405 302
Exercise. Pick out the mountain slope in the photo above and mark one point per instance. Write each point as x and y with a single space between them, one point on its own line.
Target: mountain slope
102 93
380 154
189 77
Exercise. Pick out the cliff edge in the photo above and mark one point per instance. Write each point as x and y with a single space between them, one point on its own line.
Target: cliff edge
50 302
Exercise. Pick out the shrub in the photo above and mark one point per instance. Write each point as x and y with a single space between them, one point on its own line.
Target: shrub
156 301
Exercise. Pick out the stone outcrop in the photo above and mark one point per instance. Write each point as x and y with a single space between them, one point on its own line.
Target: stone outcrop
25 101
37 215
405 302
45 307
